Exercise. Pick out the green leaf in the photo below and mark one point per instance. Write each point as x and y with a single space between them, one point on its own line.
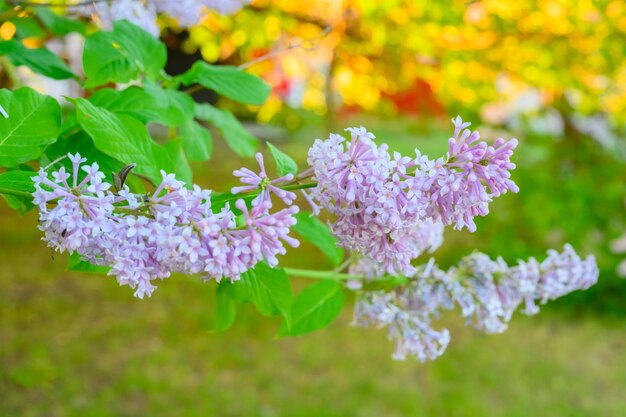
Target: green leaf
125 139
177 108
33 123
284 164
225 310
197 141
314 231
27 27
121 55
269 289
40 60
152 104
236 136
103 63
144 50
228 81
17 180
59 25
20 204
181 166
316 307
20 181
133 101
76 263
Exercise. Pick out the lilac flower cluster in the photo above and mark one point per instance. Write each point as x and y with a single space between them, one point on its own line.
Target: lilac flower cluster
488 292
143 13
386 205
144 238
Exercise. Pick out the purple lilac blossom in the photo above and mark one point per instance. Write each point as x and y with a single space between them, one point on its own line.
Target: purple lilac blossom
487 293
143 239
383 203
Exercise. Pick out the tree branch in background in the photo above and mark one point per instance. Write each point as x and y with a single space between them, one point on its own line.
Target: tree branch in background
295 45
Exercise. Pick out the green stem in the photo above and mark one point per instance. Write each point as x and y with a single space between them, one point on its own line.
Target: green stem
345 264
299 186
15 193
384 283
316 274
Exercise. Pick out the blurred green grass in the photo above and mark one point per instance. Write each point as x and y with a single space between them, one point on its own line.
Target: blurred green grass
79 345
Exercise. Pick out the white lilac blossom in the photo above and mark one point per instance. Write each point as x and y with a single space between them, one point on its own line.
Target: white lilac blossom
487 293
145 238
384 203
143 13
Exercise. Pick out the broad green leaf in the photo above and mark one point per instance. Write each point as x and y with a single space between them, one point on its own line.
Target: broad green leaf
81 142
20 204
284 164
20 181
27 27
316 232
125 139
76 263
316 307
225 310
152 104
228 81
103 62
144 50
33 123
269 289
177 107
181 165
17 180
235 135
59 25
197 141
40 60
133 101
121 55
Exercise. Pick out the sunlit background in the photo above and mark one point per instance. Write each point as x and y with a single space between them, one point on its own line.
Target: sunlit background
551 73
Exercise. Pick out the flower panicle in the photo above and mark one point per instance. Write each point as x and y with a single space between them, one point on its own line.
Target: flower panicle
487 293
392 208
145 238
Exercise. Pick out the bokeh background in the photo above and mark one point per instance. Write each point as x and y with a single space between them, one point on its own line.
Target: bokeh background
551 73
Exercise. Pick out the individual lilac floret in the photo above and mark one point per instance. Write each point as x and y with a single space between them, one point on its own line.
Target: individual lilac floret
487 292
145 238
261 182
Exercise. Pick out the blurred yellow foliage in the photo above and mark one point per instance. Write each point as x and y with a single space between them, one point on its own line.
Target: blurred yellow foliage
376 49
7 31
